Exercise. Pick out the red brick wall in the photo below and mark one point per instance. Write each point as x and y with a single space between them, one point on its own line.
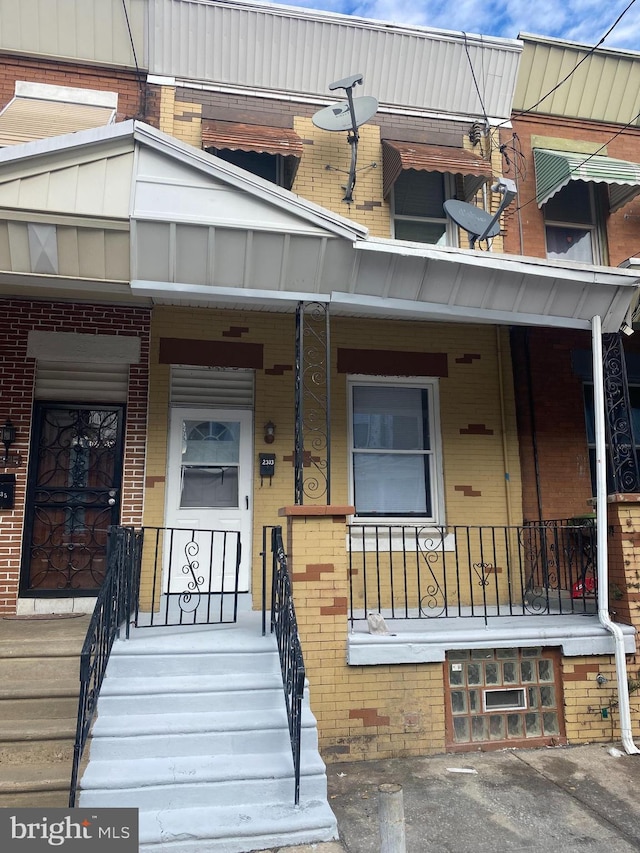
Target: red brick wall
546 374
131 91
623 234
17 374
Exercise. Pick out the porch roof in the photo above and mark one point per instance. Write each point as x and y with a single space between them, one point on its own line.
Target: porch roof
202 232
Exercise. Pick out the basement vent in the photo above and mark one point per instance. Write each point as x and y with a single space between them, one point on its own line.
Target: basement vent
212 386
82 382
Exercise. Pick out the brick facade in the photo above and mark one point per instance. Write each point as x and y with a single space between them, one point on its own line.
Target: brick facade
132 90
524 218
17 378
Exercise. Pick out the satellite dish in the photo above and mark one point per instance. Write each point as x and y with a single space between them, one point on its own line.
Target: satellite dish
339 117
348 115
471 219
479 224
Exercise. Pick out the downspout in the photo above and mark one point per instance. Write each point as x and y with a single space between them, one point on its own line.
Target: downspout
602 559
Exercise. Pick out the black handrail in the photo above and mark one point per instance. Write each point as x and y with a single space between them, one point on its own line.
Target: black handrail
285 627
114 605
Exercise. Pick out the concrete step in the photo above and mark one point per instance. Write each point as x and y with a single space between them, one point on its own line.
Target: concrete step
29 785
26 741
136 664
219 780
39 669
164 735
190 693
40 708
220 830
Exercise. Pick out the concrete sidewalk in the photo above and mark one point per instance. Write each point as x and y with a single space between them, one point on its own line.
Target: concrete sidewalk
563 800
560 800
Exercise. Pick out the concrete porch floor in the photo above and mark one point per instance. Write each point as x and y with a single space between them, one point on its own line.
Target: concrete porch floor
426 640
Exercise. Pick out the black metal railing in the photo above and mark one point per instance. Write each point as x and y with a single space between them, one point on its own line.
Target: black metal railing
285 627
188 577
114 605
412 572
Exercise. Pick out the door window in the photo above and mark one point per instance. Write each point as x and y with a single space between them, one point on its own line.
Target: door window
209 464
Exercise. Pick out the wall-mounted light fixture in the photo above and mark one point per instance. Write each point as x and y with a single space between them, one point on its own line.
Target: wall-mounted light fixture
8 437
269 432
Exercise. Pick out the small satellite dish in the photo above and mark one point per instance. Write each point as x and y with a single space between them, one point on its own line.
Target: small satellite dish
471 219
348 115
479 224
338 116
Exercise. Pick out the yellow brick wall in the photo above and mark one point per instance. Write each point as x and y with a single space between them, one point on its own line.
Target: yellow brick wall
476 491
363 712
325 186
585 699
323 170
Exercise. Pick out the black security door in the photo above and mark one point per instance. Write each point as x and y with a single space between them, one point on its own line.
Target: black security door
73 495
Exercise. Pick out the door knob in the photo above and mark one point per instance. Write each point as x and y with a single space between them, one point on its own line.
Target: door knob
111 501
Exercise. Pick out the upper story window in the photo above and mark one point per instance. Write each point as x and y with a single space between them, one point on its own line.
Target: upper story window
418 212
574 229
418 178
272 153
272 167
395 455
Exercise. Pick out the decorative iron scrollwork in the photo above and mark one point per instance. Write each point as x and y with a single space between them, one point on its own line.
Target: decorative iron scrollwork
619 419
432 596
312 403
189 599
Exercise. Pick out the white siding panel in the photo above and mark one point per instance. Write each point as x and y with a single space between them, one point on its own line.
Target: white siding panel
273 48
93 30
97 188
210 386
72 381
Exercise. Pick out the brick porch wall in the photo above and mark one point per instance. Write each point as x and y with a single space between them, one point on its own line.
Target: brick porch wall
17 376
363 712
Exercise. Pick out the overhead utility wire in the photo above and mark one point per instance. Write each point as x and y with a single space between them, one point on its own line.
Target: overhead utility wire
141 86
577 65
586 159
475 81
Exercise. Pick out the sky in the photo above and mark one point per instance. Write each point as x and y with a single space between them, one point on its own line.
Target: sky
583 21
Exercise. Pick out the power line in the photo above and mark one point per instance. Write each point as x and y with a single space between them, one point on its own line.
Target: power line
578 64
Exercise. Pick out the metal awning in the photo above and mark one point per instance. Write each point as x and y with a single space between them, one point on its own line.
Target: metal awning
398 156
554 170
261 139
39 111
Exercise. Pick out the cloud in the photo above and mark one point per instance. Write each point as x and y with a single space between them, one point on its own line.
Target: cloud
583 21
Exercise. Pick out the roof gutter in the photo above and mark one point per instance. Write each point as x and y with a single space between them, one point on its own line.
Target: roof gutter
602 561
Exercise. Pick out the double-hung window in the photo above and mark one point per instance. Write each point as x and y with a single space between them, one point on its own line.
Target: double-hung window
573 225
396 469
418 212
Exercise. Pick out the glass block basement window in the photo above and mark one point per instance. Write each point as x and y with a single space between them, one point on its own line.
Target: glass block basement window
503 697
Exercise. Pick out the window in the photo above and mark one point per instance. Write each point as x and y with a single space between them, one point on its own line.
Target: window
395 460
276 168
634 399
418 198
572 225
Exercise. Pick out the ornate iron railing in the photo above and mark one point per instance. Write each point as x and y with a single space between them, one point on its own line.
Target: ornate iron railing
188 577
285 627
413 572
114 605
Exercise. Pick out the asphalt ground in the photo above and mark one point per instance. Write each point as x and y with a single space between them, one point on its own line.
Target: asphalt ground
556 800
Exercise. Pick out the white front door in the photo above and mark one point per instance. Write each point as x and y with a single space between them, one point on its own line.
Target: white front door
209 480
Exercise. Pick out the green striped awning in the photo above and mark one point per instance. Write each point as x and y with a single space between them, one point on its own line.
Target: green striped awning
554 170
